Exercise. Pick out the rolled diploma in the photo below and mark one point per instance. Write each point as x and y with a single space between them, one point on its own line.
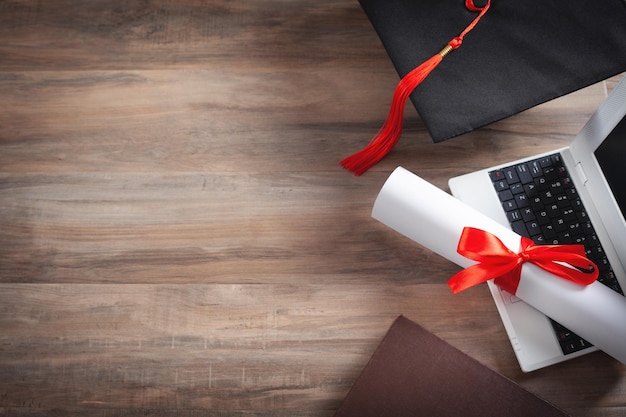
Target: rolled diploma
435 219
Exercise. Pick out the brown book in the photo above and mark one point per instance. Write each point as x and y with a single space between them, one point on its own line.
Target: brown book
414 373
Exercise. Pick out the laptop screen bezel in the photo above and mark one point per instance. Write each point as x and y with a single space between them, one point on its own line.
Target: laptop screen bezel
583 148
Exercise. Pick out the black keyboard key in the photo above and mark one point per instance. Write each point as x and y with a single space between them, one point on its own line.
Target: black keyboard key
505 195
510 174
577 204
516 188
521 200
562 201
541 183
545 162
535 169
568 185
528 214
501 185
575 345
543 217
559 225
548 231
530 189
553 211
551 174
520 228
548 197
496 176
509 205
557 187
513 216
566 238
570 342
539 240
575 229
590 232
533 227
570 216
524 174
536 203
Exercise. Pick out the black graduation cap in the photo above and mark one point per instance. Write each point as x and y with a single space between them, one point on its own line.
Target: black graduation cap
518 54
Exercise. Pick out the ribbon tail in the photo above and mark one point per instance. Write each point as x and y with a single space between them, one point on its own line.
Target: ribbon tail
566 261
510 280
479 273
583 272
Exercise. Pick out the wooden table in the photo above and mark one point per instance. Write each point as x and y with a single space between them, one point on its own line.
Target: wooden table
177 236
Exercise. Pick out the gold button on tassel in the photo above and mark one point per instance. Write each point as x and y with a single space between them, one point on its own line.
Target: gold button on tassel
445 51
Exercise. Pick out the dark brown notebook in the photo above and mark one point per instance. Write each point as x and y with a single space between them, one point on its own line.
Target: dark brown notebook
414 373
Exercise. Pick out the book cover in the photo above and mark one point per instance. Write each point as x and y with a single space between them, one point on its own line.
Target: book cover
414 373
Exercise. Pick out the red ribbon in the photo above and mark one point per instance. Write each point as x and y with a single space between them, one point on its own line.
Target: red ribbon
497 261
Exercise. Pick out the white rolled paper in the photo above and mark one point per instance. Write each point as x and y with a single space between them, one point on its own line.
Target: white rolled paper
435 219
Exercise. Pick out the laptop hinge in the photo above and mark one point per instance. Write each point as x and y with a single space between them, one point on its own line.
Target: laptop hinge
581 173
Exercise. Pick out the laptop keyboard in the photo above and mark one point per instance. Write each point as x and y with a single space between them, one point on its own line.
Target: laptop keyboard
541 203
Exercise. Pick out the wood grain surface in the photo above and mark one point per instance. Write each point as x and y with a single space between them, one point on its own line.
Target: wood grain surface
177 236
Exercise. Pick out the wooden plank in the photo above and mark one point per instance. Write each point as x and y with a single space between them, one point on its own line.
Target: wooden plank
241 120
118 34
222 346
177 237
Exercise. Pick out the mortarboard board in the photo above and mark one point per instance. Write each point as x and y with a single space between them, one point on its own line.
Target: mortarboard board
519 55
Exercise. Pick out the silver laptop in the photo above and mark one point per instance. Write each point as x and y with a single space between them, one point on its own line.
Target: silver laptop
572 195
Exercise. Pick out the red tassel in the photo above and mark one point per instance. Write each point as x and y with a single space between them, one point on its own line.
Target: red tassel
390 132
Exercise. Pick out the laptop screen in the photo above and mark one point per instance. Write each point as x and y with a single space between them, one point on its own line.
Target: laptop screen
611 156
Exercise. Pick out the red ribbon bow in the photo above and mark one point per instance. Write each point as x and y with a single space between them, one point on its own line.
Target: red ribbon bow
497 261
